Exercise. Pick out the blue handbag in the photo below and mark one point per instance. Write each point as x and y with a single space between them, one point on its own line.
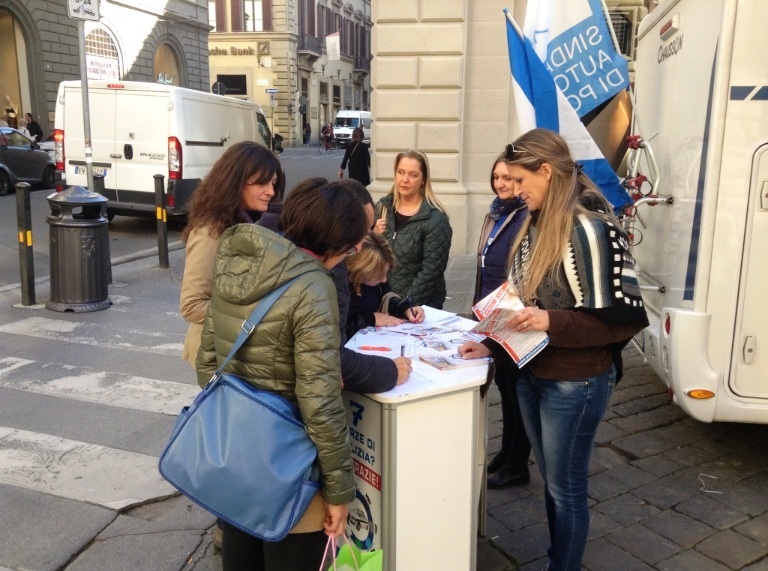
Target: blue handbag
242 453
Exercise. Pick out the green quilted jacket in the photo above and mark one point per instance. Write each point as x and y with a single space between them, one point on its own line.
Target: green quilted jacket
421 248
295 349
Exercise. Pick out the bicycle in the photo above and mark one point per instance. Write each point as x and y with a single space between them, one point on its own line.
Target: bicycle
324 146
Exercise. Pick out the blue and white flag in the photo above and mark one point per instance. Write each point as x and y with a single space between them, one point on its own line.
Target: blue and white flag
540 103
572 39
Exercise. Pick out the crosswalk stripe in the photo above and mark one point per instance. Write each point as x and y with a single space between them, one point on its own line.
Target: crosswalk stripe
96 334
103 387
109 477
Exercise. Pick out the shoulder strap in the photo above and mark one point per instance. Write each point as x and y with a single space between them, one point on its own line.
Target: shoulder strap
247 327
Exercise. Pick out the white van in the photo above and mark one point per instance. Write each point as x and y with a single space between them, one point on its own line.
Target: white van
139 130
347 121
701 249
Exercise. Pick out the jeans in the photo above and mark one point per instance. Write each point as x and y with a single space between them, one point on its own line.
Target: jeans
561 419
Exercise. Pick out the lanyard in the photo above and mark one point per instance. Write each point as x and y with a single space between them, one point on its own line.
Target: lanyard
494 231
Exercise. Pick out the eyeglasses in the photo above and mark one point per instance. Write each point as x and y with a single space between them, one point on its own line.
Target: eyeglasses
511 150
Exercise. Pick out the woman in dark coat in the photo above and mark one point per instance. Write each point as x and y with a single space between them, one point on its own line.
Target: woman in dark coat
358 158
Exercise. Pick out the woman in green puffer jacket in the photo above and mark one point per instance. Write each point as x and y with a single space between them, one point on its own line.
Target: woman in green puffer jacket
293 352
416 226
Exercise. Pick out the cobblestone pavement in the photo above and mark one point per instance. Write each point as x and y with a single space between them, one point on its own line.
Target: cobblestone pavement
666 492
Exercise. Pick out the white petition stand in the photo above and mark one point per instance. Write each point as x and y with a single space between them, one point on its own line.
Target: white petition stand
417 458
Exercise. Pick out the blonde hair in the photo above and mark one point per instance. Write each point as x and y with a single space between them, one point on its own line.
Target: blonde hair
372 261
568 188
426 188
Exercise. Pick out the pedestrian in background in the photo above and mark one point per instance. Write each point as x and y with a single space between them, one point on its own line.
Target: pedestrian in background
23 128
500 228
294 352
572 269
35 130
358 158
416 226
242 186
307 133
327 135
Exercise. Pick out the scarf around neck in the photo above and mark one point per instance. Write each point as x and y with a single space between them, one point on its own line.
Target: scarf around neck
501 207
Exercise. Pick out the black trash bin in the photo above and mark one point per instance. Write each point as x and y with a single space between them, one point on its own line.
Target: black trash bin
79 250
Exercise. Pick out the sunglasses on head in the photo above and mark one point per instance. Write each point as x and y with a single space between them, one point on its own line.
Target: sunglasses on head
510 150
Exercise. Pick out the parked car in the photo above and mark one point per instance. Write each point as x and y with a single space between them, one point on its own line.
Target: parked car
22 160
49 146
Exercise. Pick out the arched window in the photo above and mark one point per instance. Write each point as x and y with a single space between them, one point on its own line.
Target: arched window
101 55
166 65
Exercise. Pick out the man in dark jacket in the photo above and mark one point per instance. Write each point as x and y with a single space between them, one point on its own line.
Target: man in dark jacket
35 131
364 373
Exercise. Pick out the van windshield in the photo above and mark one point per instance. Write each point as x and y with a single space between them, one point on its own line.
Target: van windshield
347 122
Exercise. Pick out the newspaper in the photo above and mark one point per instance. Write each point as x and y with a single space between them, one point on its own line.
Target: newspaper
494 311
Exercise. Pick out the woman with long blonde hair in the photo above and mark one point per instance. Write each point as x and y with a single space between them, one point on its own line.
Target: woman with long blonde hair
415 224
572 268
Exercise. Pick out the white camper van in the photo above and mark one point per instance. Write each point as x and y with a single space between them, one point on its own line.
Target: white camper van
346 122
702 245
139 130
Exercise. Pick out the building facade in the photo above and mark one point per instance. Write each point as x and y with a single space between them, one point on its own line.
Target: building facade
146 40
273 52
441 84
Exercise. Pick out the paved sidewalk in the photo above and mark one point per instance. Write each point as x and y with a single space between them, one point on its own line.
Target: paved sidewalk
666 492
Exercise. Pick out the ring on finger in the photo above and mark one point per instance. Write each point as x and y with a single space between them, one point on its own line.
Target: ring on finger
525 325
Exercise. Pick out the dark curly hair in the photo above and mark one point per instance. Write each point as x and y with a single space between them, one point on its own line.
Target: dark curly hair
216 201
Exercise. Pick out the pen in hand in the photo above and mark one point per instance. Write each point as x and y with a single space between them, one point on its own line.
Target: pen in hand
410 305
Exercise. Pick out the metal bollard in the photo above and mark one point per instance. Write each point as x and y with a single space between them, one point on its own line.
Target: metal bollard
26 261
162 221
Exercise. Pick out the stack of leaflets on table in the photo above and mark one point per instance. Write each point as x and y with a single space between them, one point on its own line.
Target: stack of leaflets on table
446 362
495 310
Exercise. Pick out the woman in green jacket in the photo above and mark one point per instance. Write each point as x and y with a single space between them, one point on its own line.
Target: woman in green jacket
293 352
416 226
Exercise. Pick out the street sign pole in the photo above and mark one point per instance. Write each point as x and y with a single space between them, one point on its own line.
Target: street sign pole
272 104
82 10
86 105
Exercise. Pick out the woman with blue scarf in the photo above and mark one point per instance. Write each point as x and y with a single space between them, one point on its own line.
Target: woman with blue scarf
509 467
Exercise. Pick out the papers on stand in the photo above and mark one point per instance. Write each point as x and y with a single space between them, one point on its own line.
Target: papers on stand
495 310
440 335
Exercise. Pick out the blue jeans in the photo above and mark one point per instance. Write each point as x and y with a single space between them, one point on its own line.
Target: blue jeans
561 419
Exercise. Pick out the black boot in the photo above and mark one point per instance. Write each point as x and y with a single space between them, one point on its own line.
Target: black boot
508 476
496 462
